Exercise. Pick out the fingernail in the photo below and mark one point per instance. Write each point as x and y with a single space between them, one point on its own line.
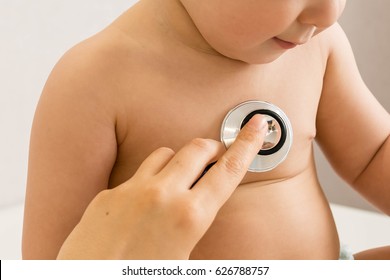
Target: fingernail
264 123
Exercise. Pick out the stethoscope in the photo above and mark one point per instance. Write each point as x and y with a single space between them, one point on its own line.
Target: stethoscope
278 139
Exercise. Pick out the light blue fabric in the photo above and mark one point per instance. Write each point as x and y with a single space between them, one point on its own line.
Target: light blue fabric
345 253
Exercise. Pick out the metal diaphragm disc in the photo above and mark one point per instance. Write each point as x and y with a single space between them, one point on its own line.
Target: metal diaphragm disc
278 139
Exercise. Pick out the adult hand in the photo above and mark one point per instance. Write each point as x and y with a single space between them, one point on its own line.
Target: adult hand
160 213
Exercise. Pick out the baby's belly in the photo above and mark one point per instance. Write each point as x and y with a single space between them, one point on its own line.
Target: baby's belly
289 219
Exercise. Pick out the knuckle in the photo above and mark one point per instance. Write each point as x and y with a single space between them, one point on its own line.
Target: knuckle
156 194
250 135
202 144
165 151
233 165
191 214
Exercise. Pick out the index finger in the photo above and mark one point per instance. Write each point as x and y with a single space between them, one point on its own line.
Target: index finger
217 185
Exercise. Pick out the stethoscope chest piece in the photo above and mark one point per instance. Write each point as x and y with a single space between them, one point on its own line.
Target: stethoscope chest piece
277 141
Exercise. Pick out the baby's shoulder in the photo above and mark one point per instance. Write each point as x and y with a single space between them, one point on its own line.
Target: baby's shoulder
93 65
85 78
333 39
95 55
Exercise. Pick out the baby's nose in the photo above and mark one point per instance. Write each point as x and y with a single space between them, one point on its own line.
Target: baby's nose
321 13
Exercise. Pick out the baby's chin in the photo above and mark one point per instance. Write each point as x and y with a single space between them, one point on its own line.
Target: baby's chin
259 57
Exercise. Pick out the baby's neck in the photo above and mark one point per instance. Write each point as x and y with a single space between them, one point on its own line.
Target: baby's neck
176 22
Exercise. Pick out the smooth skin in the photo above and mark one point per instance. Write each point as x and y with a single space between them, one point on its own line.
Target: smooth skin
168 71
156 214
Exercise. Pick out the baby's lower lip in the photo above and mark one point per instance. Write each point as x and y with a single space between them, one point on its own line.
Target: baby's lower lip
284 44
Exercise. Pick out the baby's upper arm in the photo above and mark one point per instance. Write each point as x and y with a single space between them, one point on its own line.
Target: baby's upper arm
72 151
351 124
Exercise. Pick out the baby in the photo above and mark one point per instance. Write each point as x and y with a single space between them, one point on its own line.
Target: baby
168 71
